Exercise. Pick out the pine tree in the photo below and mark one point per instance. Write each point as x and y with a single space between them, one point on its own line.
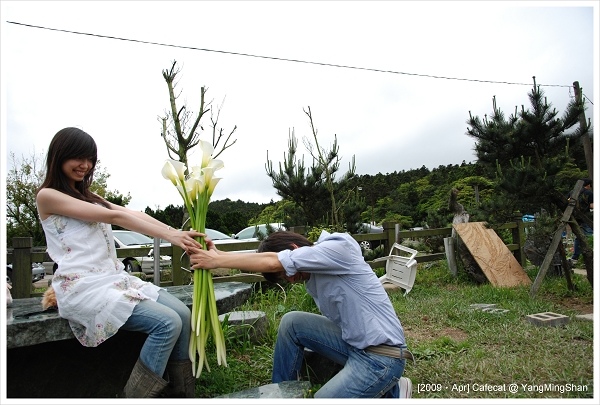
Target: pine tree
527 154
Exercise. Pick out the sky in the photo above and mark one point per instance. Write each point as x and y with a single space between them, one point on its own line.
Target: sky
394 81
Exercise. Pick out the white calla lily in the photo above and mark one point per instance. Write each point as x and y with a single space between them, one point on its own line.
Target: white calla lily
196 190
207 174
207 151
212 185
196 172
216 164
173 170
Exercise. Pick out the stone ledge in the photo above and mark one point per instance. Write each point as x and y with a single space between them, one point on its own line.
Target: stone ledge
23 330
44 360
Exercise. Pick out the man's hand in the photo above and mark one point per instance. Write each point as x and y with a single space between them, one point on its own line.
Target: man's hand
204 259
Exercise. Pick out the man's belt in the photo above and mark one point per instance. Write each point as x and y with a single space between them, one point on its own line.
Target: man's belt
391 351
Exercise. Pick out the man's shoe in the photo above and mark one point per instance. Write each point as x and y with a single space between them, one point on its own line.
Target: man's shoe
405 386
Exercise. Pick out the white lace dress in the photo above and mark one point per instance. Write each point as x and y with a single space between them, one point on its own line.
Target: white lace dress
92 290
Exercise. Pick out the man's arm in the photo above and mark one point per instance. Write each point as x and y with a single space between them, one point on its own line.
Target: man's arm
264 262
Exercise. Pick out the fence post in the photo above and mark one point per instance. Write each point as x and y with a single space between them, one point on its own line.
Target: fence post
389 229
518 237
176 263
21 271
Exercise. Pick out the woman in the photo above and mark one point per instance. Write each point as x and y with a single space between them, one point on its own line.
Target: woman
92 289
359 328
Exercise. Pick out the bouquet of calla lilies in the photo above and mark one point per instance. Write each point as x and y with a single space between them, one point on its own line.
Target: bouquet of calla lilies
196 189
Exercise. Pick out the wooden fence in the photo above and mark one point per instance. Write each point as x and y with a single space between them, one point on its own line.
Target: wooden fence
23 254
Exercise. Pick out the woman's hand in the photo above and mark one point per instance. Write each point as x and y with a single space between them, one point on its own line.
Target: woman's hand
185 239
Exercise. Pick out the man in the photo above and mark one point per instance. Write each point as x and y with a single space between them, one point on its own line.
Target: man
359 328
586 205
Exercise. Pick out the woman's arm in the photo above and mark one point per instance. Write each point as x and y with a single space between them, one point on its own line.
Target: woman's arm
138 214
50 201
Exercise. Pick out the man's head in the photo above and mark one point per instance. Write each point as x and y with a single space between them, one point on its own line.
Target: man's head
587 182
278 241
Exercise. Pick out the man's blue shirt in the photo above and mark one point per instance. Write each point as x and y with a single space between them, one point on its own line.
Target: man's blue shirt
346 290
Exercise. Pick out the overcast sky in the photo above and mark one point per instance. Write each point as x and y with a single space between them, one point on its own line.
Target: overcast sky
406 76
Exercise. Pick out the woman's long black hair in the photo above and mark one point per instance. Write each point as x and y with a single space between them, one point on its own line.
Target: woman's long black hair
71 143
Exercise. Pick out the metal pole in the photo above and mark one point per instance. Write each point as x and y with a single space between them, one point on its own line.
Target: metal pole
156 252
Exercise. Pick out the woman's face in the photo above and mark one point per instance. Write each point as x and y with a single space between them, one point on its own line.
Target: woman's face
76 169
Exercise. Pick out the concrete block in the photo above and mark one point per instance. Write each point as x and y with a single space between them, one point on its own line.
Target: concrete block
285 389
495 310
585 317
547 319
247 324
482 306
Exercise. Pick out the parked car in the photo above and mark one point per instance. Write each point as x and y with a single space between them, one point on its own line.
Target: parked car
369 228
217 237
38 272
251 233
130 239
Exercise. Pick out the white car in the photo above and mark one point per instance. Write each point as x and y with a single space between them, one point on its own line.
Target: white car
130 239
251 233
365 227
218 238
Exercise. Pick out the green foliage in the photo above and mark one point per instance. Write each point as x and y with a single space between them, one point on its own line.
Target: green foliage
22 181
232 216
141 275
172 215
528 155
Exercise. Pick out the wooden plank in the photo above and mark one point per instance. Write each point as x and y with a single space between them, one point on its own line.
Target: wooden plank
491 254
556 239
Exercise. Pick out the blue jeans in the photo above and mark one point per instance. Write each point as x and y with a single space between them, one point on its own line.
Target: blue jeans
168 325
365 375
577 245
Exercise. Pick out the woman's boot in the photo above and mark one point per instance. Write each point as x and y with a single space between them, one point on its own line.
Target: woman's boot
182 383
143 383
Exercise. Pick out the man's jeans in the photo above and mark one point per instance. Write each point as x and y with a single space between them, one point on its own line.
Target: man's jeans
365 375
168 325
577 245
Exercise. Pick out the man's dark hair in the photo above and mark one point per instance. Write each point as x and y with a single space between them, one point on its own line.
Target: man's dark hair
587 182
278 241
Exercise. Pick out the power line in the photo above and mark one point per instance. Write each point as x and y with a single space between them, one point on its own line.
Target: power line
282 59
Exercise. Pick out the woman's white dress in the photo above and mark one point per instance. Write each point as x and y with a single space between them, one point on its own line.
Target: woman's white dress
92 290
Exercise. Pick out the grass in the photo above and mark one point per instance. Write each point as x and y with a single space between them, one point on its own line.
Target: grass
460 352
458 349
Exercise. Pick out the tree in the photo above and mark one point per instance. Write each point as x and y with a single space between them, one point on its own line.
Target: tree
527 152
22 182
329 163
184 134
294 183
312 190
529 155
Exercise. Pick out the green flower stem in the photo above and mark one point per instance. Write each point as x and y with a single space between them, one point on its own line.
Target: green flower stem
205 318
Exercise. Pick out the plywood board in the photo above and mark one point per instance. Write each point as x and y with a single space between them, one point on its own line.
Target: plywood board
491 254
